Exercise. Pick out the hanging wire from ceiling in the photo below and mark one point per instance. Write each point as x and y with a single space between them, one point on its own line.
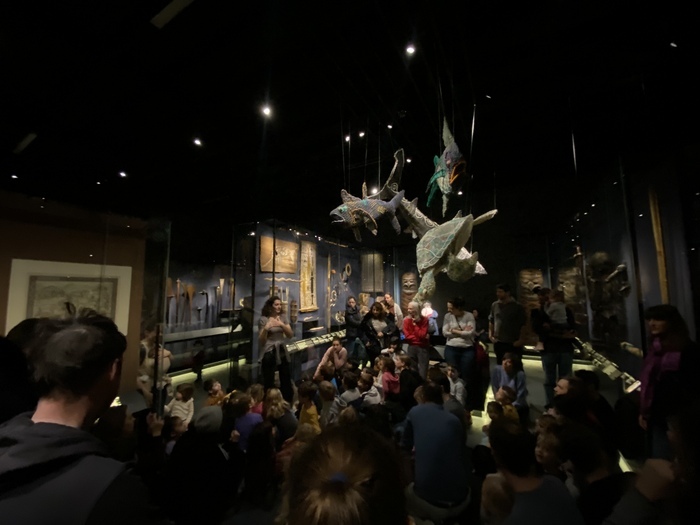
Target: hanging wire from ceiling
346 167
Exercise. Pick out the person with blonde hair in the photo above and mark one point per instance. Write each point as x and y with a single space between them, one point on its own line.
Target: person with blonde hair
279 412
345 477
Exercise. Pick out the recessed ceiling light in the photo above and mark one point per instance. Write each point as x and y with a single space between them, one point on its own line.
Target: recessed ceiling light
389 126
374 191
488 96
122 174
673 44
408 160
197 142
459 192
98 182
14 176
361 134
267 111
347 138
410 49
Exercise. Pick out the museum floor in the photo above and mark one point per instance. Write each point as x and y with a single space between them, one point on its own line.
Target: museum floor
535 380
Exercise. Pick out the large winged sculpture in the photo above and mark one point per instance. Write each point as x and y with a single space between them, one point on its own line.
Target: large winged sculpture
448 167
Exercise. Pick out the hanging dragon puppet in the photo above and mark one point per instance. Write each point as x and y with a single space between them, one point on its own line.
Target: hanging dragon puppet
448 167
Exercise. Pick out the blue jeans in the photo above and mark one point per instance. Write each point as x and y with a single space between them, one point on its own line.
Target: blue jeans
464 361
555 366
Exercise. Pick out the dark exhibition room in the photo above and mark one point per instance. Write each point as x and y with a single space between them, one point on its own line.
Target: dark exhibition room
243 203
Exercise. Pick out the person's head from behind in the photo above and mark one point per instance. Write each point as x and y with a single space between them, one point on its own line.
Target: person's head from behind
442 381
544 422
349 380
494 409
405 361
326 391
328 371
348 416
365 382
184 391
274 405
79 358
395 344
257 393
345 478
307 392
513 446
173 427
239 404
433 392
589 378
505 395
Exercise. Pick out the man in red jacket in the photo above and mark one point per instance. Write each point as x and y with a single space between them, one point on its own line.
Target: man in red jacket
415 331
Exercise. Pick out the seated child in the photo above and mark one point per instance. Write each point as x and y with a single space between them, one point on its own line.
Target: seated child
368 389
304 435
506 396
458 390
257 394
308 413
548 453
173 428
389 379
544 422
329 408
216 393
394 348
182 405
244 419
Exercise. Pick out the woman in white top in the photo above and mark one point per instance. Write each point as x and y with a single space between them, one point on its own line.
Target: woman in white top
458 328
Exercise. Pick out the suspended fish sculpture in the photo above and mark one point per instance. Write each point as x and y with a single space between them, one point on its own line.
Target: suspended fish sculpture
355 213
448 167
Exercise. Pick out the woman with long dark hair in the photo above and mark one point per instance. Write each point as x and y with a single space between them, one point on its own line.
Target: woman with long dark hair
666 376
376 330
353 319
274 329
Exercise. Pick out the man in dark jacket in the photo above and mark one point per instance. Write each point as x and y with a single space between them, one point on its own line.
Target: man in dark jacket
52 470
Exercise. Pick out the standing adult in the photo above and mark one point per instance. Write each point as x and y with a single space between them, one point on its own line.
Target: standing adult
557 349
667 375
459 330
273 331
506 323
353 319
393 310
376 330
415 332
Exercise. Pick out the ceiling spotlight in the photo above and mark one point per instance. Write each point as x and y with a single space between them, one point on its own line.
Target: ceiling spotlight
488 97
459 192
374 191
13 176
347 138
361 134
673 44
389 126
122 174
267 111
410 49
408 159
592 205
197 142
98 182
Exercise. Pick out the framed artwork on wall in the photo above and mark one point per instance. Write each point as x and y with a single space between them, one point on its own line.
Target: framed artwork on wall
307 289
286 257
41 289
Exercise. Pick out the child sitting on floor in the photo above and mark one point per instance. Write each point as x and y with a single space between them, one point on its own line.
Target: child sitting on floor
506 396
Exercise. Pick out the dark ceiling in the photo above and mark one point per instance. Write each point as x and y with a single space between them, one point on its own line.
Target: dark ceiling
520 83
